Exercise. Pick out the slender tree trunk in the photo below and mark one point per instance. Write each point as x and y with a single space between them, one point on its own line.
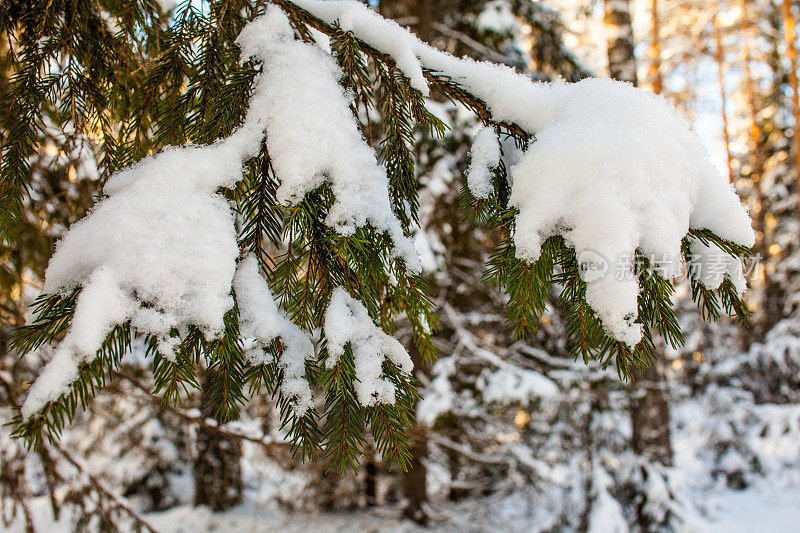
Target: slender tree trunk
719 56
217 467
587 438
654 51
648 394
415 480
749 34
619 37
650 416
424 10
415 485
371 482
771 295
789 33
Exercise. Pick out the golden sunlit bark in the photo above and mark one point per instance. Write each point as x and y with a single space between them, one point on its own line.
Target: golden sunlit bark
789 32
654 51
748 37
719 56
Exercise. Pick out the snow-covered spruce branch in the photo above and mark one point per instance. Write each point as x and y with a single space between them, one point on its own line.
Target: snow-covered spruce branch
613 172
613 169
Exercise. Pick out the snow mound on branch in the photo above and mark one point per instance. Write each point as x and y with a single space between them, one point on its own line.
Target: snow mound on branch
102 306
312 135
160 251
710 265
615 172
485 156
384 34
261 322
612 169
347 322
160 256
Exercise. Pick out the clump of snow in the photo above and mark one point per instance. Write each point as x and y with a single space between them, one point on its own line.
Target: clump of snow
312 135
619 171
385 35
163 243
497 17
347 322
261 322
159 252
613 169
103 304
710 264
485 157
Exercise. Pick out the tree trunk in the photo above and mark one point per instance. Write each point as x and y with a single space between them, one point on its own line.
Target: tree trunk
415 480
619 37
650 415
415 485
424 10
771 296
649 405
789 29
587 441
749 34
719 56
371 482
656 81
217 467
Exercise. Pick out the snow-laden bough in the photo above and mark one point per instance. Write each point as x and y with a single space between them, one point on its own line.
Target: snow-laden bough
347 322
613 169
160 251
261 323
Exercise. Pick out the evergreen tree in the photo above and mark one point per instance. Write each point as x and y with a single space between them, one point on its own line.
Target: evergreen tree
343 276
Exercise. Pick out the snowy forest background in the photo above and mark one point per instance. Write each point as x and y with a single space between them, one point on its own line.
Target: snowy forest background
512 435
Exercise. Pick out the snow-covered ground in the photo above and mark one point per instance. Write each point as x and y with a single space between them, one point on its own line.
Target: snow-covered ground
770 503
762 507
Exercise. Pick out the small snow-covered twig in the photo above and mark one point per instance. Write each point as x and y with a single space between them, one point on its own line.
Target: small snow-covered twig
347 322
118 500
261 322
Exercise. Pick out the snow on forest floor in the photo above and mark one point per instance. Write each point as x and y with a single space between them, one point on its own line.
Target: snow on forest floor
770 503
761 507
